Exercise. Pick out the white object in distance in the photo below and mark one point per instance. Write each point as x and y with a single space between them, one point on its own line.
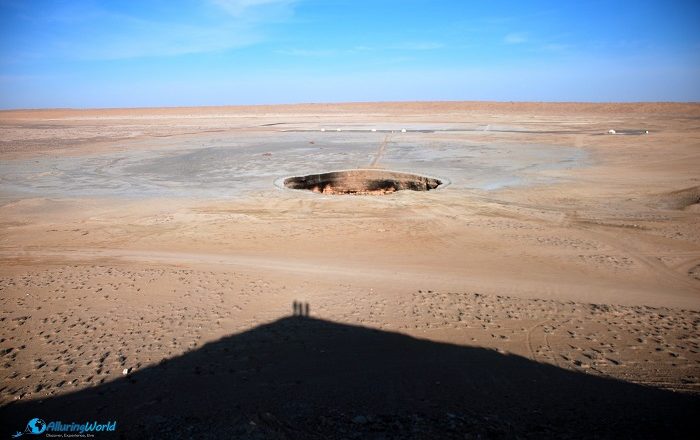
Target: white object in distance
611 131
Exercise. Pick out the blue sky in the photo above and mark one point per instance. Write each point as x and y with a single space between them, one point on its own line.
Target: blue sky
91 53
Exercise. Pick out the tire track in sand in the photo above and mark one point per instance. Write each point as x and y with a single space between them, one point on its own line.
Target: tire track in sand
380 151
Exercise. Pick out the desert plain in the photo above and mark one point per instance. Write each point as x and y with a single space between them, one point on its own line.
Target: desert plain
550 287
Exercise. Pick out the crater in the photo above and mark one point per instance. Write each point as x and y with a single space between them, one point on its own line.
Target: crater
683 199
362 182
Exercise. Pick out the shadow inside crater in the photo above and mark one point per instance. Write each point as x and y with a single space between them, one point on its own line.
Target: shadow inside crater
301 377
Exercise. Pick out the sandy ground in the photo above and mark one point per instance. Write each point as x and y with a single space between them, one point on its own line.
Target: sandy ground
130 238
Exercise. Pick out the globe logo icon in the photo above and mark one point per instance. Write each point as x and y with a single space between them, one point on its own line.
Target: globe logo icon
36 426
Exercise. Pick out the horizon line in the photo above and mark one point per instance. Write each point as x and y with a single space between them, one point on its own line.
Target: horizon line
340 103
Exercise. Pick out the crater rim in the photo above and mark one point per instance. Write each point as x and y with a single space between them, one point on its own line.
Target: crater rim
361 181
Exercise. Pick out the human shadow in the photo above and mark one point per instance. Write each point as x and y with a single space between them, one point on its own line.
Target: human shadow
300 308
302 377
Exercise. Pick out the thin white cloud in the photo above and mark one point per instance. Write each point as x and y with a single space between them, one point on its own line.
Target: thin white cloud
114 35
556 47
408 46
428 45
257 10
307 52
405 46
136 38
171 42
515 38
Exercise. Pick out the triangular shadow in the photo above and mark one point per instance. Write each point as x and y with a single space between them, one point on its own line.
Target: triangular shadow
301 377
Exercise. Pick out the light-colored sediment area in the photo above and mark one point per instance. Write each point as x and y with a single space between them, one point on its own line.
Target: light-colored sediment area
132 236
